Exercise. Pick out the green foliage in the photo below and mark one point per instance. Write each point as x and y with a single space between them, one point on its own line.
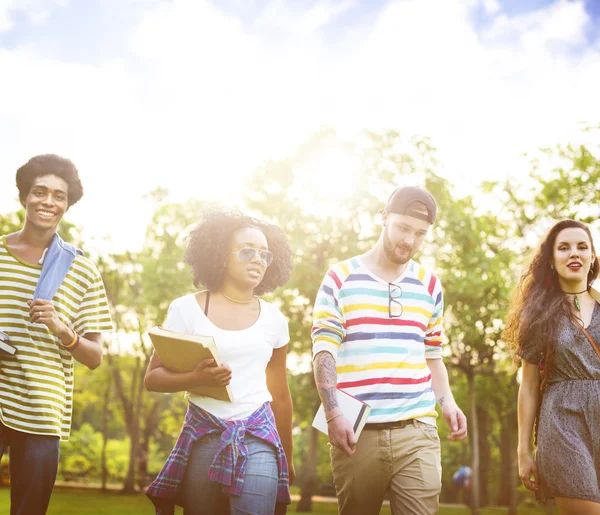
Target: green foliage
80 456
77 465
474 260
306 403
12 222
563 184
88 399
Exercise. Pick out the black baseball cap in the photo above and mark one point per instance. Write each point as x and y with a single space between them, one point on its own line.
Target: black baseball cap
402 199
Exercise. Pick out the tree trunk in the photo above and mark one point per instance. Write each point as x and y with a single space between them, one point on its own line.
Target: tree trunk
143 454
134 429
507 492
514 468
310 472
483 420
105 417
506 479
129 483
126 406
150 425
474 437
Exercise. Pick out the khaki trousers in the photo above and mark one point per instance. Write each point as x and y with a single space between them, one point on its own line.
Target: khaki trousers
404 461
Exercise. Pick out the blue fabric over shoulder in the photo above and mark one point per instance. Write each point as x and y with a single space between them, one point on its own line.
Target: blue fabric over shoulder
59 258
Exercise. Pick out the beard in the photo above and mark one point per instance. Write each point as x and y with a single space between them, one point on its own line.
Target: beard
390 251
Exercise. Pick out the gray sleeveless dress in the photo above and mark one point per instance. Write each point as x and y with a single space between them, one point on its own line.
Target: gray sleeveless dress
568 450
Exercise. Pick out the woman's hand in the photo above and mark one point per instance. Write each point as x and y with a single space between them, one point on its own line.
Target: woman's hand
207 373
528 472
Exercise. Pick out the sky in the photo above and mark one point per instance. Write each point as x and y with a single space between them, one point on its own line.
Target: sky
192 95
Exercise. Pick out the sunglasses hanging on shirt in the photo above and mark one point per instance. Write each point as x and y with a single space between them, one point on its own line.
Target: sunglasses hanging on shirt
394 306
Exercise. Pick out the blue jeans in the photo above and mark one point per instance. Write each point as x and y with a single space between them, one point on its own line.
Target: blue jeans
33 467
201 496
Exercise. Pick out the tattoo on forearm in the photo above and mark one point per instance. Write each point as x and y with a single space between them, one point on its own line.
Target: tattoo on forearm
328 396
325 373
326 379
441 402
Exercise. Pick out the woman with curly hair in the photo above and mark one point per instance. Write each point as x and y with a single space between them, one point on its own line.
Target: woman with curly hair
231 457
553 327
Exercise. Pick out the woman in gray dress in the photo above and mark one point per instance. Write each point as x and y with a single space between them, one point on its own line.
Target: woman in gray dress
560 389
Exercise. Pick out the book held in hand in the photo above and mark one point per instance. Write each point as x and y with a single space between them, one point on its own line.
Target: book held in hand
355 410
181 352
5 346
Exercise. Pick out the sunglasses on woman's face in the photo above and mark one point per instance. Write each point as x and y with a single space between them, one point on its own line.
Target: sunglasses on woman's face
247 254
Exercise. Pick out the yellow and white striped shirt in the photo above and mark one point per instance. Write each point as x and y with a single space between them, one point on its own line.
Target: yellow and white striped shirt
36 384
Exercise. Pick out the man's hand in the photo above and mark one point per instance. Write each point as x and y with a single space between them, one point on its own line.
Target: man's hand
341 433
42 312
207 373
291 472
456 420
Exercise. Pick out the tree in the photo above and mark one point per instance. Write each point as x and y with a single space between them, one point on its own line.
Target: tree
474 263
140 287
562 184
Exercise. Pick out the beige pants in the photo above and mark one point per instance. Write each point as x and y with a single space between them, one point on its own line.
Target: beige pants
406 461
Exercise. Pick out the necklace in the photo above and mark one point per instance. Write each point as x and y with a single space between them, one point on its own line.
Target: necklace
575 299
238 301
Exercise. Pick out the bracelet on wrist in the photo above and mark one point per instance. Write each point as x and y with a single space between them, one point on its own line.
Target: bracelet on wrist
71 349
334 417
73 343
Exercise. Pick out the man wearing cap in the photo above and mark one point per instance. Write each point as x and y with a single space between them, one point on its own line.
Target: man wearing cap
377 335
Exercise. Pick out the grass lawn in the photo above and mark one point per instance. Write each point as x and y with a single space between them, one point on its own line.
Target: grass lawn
93 502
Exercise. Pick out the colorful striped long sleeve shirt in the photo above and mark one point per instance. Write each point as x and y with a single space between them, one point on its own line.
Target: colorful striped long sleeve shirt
382 359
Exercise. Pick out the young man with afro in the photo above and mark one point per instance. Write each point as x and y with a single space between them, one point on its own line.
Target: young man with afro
53 309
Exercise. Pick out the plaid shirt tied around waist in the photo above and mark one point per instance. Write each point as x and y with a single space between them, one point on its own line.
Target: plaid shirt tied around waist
229 464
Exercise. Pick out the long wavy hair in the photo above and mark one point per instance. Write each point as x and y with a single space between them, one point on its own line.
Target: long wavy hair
539 305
